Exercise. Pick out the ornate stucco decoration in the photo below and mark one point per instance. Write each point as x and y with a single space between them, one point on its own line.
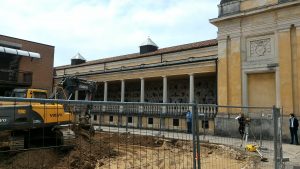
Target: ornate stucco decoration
260 48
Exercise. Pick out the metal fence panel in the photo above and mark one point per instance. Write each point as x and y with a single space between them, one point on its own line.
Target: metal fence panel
39 134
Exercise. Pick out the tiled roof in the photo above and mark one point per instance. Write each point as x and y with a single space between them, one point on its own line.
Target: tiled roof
189 46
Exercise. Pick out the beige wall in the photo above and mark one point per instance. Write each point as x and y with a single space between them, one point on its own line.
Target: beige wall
183 55
234 73
261 84
250 4
134 121
285 60
156 123
207 67
259 41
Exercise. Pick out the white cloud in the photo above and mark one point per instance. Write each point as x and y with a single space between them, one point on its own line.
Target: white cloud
109 27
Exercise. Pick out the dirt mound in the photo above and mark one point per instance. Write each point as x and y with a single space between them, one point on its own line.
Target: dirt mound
84 155
129 139
125 150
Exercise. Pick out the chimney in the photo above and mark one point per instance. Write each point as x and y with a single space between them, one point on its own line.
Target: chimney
148 46
77 59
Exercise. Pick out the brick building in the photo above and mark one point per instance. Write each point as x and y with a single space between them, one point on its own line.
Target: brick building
25 64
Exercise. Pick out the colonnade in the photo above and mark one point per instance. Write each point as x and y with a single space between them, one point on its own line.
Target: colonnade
142 90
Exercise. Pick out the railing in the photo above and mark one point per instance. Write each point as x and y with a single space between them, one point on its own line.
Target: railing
16 77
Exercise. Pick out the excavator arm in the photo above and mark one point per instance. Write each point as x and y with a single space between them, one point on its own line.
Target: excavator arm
68 86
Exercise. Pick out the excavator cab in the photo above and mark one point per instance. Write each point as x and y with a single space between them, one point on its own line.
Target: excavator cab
29 93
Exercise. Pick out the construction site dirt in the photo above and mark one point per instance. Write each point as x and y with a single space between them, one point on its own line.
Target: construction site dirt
125 150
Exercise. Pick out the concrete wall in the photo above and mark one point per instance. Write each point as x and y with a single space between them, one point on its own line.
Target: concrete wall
226 125
167 123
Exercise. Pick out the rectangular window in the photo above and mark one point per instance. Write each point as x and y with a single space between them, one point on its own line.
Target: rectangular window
175 122
111 118
27 78
95 117
205 124
129 119
150 120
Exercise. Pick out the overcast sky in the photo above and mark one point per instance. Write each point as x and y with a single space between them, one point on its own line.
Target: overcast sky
105 28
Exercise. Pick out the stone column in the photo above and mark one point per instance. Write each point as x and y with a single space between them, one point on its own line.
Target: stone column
192 93
122 90
165 100
142 90
76 94
105 91
165 89
141 108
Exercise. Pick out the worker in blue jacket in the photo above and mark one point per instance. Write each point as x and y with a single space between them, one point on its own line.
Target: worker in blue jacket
189 119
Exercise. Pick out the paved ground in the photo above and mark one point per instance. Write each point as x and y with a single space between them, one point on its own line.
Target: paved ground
292 152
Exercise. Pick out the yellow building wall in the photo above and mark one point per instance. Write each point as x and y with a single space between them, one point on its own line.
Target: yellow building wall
261 89
222 73
234 71
196 53
156 123
285 63
133 62
169 124
207 67
298 69
229 73
82 69
107 122
134 121
250 4
276 23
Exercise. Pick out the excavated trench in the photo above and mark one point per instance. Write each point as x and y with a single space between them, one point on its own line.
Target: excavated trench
125 150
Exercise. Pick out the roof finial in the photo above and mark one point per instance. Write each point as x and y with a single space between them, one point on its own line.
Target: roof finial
148 41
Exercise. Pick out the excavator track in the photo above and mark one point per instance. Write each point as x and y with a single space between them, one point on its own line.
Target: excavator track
16 142
67 136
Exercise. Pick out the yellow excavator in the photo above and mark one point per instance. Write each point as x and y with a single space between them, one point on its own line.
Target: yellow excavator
28 124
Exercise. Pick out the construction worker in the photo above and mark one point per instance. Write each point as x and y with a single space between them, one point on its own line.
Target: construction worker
294 124
189 121
242 122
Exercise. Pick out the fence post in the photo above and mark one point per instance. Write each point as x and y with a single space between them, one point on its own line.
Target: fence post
196 141
277 159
